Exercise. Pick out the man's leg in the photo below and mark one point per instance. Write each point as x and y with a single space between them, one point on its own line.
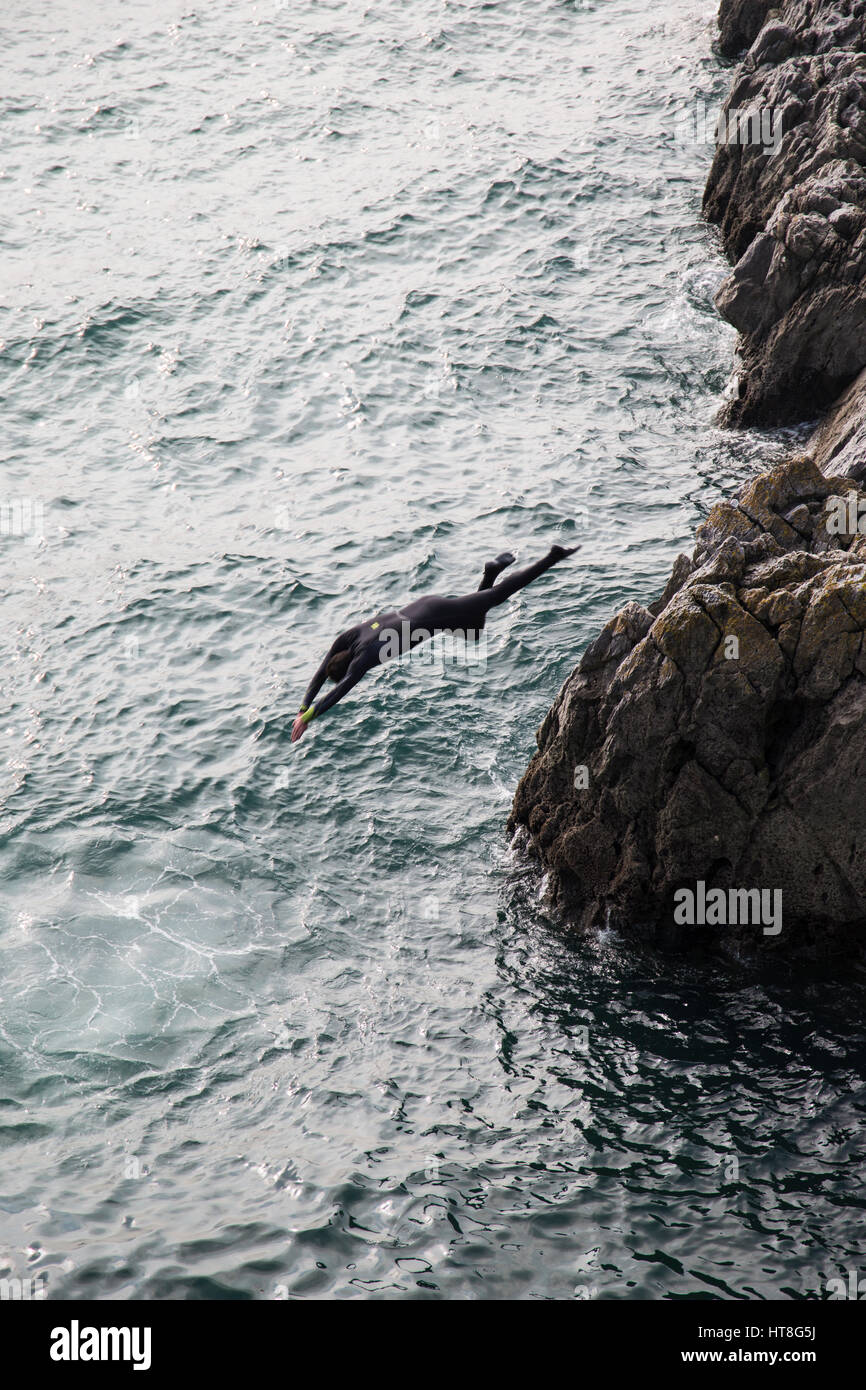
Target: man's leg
494 568
500 592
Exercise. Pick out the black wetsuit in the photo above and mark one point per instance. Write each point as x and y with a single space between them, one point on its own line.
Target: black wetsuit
399 630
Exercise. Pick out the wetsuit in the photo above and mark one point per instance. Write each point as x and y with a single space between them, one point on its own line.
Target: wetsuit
393 632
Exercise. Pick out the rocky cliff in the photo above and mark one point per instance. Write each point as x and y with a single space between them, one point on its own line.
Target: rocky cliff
703 769
787 188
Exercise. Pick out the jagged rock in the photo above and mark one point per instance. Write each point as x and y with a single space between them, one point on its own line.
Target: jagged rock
840 440
714 741
739 22
788 189
719 735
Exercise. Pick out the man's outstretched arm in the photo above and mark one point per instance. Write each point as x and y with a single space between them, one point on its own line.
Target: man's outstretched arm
312 710
341 643
318 679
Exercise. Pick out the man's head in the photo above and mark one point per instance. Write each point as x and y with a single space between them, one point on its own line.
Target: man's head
338 666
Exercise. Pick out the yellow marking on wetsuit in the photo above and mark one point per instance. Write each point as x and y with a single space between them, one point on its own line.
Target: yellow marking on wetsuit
374 626
308 714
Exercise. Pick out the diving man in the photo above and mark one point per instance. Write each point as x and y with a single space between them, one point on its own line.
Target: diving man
360 648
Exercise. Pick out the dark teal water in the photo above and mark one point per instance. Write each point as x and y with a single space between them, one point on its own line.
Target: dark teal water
307 309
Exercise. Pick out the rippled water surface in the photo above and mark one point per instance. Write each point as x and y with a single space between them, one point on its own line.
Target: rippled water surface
307 308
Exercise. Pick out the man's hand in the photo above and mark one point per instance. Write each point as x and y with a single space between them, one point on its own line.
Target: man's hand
299 727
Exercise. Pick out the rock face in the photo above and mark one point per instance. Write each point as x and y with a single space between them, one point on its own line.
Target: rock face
718 737
739 23
702 774
839 443
787 188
